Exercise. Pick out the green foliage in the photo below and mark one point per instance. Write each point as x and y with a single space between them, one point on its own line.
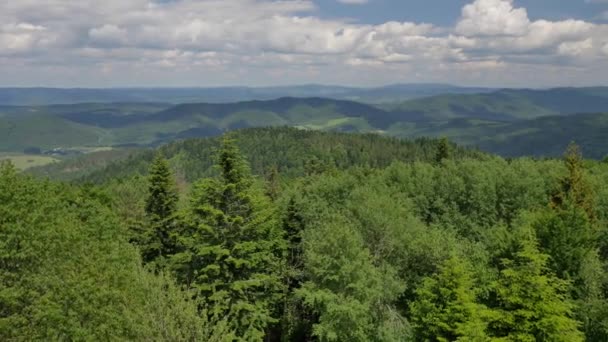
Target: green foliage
445 308
528 303
231 247
443 150
350 295
568 237
348 238
67 272
294 152
162 198
574 188
158 239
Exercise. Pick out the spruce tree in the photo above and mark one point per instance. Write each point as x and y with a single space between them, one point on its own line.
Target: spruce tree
445 308
161 204
297 318
443 150
273 183
232 247
569 233
528 303
574 188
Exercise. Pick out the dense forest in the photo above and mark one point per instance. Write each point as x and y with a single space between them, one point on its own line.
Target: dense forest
280 234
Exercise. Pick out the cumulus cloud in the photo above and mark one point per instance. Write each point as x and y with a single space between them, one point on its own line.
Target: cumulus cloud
237 39
575 48
493 17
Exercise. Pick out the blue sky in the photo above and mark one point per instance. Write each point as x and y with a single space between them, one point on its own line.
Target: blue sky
447 12
514 43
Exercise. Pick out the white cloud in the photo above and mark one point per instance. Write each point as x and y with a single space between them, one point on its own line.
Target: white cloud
575 48
248 39
493 18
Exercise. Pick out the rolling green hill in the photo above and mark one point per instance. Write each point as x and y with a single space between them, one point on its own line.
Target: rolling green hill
498 122
293 151
540 137
46 132
505 105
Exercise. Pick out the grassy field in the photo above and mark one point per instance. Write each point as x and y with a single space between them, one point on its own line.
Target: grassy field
26 161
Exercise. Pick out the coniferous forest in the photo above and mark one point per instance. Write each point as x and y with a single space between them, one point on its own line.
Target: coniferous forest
280 234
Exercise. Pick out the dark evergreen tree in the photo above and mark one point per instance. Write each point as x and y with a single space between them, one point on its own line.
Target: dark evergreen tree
569 233
162 194
297 319
273 186
232 247
443 150
158 240
574 188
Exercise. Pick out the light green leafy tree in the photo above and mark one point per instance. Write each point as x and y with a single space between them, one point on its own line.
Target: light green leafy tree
446 309
529 303
351 297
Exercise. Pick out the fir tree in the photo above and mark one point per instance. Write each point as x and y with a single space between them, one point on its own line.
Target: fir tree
162 194
443 150
568 234
293 226
445 308
297 318
161 205
529 303
273 186
574 187
232 247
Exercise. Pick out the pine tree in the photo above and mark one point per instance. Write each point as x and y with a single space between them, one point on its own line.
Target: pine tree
529 303
232 247
161 206
443 150
445 308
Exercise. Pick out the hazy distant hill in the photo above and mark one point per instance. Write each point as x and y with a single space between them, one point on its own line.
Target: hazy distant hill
506 105
509 122
391 93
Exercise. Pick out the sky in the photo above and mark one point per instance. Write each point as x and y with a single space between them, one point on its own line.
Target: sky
188 43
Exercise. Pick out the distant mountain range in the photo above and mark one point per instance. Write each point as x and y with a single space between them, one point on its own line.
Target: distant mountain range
511 122
390 93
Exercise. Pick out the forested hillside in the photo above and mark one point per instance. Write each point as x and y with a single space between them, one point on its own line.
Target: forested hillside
291 151
290 235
